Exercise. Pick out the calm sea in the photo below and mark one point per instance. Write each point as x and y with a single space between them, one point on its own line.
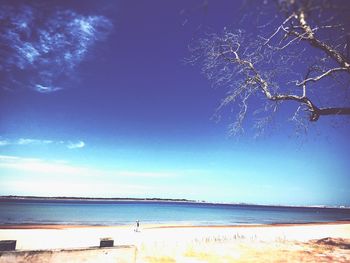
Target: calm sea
127 212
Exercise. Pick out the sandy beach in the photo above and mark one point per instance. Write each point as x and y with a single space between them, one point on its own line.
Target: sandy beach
324 242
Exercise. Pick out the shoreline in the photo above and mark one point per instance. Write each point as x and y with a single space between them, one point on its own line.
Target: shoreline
167 226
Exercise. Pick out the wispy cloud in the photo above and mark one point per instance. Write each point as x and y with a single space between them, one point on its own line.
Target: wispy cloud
41 142
40 166
48 167
23 141
4 142
72 145
37 176
41 48
70 187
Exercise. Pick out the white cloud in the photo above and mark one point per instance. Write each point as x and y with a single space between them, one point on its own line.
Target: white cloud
45 167
33 176
4 142
42 50
8 157
25 141
77 145
40 142
69 187
149 174
40 166
43 89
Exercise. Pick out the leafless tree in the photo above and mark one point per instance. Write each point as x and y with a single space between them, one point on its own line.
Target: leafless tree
300 54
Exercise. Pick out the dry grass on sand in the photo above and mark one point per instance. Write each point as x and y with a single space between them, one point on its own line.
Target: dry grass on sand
322 250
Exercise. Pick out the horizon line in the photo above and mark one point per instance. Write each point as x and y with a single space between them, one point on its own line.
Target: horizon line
166 199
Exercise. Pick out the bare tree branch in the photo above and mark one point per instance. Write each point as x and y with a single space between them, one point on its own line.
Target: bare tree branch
311 43
325 74
333 53
279 28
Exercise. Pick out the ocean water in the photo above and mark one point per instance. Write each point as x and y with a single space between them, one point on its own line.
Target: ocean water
127 212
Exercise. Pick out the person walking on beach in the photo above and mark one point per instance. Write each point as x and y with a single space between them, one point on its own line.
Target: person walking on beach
137 226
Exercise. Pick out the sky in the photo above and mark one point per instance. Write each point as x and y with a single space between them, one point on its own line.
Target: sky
96 100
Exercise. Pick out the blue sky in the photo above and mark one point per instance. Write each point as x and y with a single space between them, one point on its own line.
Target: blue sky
96 100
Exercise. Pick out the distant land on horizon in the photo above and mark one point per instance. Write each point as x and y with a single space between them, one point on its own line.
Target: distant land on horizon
94 198
155 199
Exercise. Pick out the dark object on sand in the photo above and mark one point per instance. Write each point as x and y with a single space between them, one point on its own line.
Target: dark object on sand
106 242
7 245
137 229
337 242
